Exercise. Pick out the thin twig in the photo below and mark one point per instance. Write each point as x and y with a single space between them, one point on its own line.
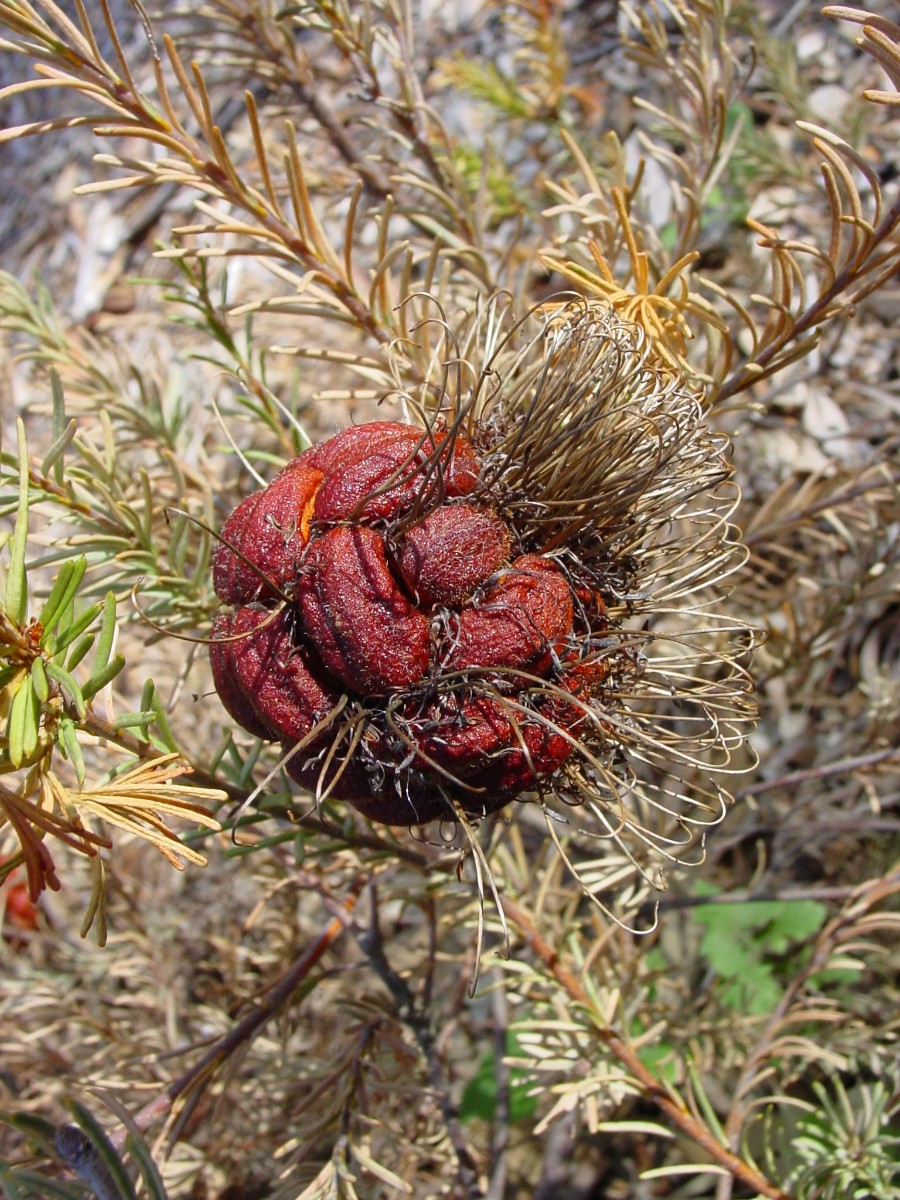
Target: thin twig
855 763
244 1030
417 1021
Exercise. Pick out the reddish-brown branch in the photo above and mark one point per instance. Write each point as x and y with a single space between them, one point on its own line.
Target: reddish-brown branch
244 1030
651 1087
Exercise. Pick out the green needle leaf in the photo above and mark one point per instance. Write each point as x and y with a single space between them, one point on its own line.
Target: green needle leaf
107 633
99 679
71 748
16 601
63 591
18 715
39 681
68 687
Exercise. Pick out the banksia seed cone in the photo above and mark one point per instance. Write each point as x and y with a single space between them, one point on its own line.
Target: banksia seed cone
398 586
434 622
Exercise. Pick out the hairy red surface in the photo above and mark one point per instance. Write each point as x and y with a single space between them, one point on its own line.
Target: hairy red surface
519 622
270 529
451 552
420 619
355 614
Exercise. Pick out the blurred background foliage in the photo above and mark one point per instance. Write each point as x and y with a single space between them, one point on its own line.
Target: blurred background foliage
216 225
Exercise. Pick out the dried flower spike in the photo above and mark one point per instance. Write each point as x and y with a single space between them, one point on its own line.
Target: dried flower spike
522 600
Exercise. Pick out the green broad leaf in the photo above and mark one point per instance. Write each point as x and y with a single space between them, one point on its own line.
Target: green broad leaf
773 923
16 598
62 593
727 954
69 688
668 235
742 941
787 922
756 992
479 1098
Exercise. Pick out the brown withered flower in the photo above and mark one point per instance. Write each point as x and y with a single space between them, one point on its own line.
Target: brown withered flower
515 599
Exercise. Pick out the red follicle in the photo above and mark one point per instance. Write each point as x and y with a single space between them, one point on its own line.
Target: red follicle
362 459
353 489
484 742
276 676
354 445
356 616
274 682
234 580
270 529
451 552
520 621
227 677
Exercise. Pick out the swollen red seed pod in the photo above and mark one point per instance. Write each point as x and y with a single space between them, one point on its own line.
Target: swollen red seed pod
227 677
447 555
269 529
522 620
354 613
399 619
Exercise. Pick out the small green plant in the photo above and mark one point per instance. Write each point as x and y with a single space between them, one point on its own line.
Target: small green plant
743 944
848 1145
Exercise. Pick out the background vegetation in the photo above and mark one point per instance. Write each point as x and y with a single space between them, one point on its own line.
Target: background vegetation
238 270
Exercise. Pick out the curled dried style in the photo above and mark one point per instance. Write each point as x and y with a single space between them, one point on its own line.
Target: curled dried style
517 599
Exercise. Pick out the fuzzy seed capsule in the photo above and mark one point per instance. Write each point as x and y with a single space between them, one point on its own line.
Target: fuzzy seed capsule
367 578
